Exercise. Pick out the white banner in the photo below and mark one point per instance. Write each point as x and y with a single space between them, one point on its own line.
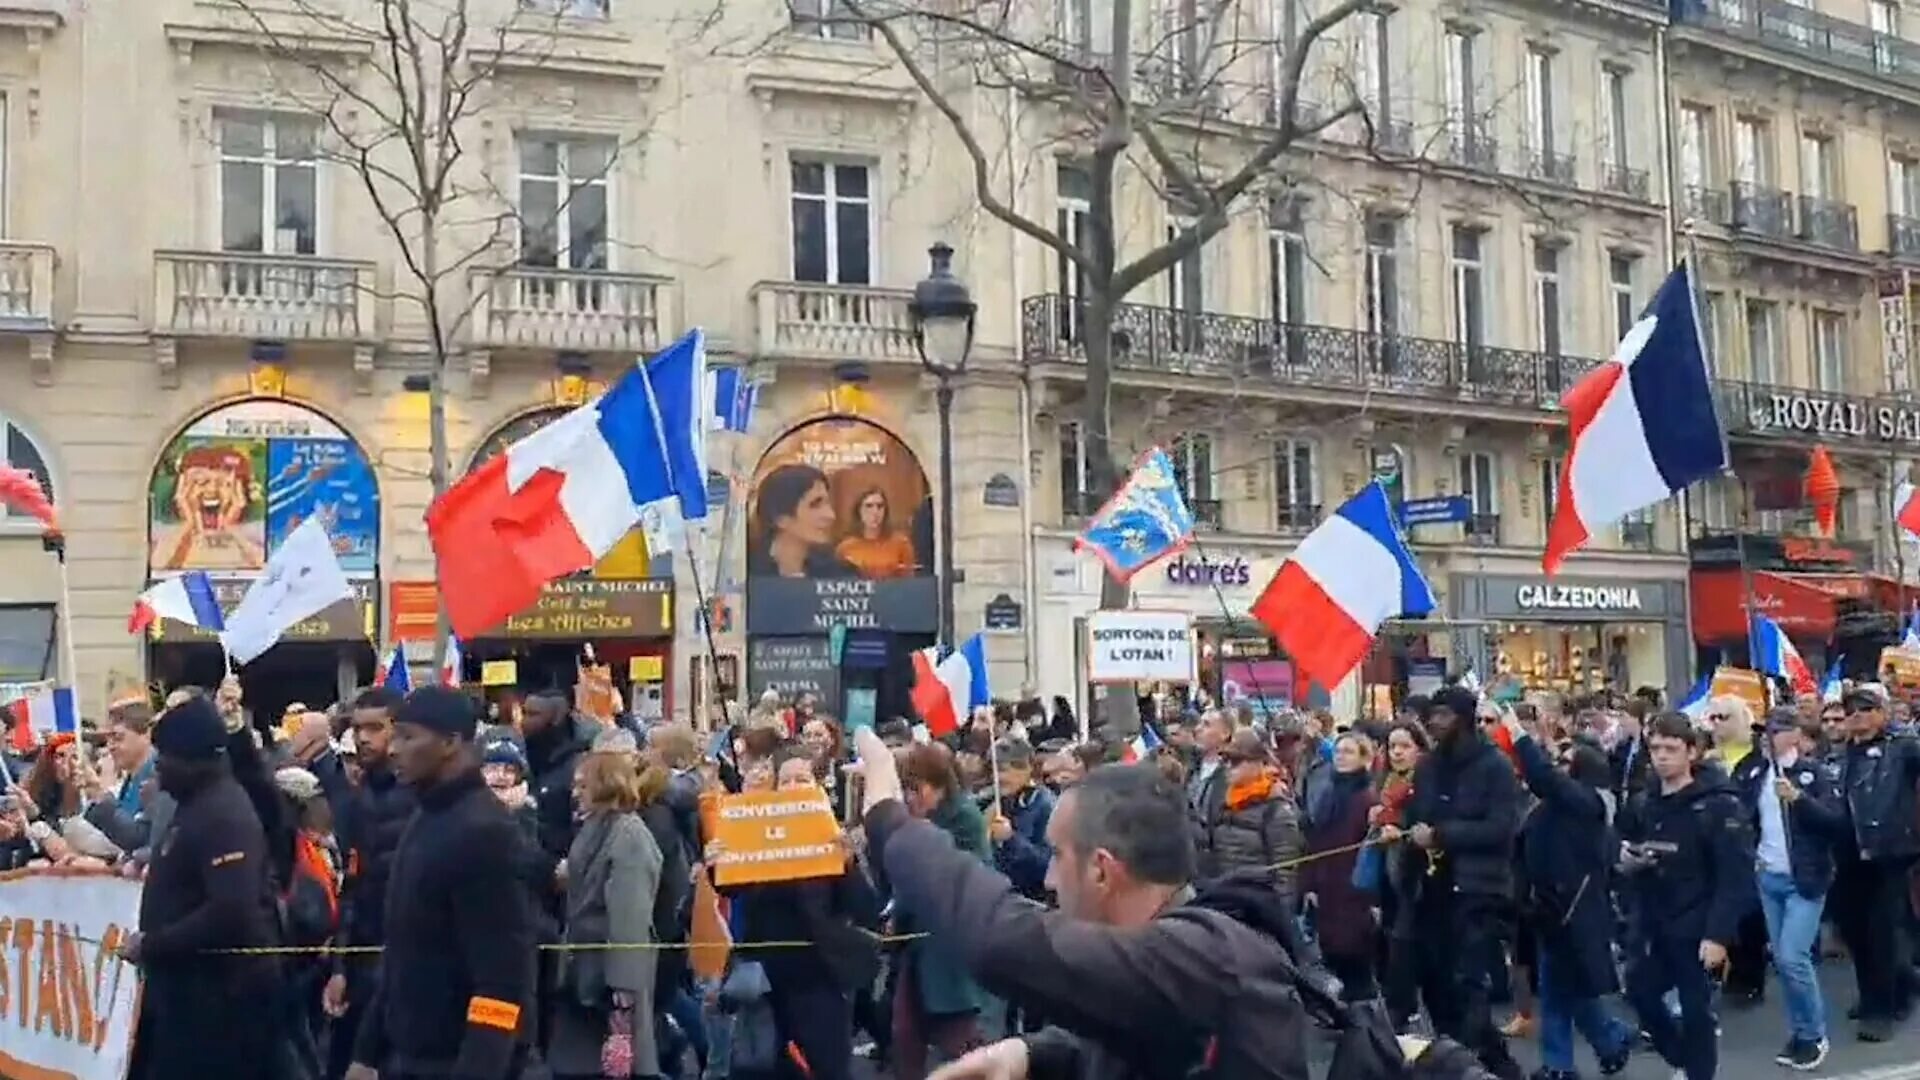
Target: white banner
1140 646
69 1013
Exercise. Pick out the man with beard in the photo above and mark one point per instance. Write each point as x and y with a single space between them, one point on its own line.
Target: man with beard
456 982
1464 814
208 889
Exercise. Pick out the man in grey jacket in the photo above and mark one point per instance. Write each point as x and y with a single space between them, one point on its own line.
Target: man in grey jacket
132 814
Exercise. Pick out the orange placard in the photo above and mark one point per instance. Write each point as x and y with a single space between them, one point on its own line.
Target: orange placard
413 610
593 694
708 934
777 836
1744 684
1900 668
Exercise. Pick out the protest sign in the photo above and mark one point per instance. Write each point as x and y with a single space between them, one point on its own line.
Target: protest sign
1744 684
1900 668
1139 646
777 836
71 1012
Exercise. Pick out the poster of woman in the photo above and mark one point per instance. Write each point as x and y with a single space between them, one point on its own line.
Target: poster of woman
839 498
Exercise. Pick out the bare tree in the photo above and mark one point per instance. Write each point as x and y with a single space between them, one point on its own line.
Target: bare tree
399 92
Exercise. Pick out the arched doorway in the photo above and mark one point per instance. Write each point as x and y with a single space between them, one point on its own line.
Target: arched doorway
621 611
226 491
840 568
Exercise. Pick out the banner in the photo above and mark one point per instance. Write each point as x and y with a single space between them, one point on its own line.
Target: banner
776 836
1139 646
69 1013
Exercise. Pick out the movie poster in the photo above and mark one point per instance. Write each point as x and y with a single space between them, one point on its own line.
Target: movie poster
839 498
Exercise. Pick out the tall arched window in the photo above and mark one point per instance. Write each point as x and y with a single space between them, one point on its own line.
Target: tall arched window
19 450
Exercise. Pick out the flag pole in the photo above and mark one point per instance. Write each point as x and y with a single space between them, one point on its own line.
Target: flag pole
1219 597
57 542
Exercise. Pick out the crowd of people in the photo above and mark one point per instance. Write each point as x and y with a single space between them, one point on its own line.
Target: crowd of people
395 888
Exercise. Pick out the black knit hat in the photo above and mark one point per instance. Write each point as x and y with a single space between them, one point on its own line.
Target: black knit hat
191 731
1464 703
439 709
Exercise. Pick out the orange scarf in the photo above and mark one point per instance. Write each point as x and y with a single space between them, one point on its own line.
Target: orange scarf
310 859
1257 790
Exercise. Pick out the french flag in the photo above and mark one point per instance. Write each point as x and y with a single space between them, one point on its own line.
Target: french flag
185 598
42 712
1906 507
947 690
450 665
1643 424
1698 700
1832 686
393 673
1351 574
1774 654
1142 746
559 499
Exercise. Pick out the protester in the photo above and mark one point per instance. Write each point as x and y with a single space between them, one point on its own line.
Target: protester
208 888
456 982
1734 753
1342 914
135 811
1019 830
556 739
1258 826
310 915
1871 905
936 1005
1403 875
1206 774
613 877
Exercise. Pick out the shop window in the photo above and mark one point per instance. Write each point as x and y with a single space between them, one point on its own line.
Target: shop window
1296 485
21 453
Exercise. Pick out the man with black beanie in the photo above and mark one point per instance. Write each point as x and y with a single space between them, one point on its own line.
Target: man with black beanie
208 889
1464 815
456 984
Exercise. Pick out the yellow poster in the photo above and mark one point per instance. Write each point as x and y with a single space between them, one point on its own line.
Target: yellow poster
499 673
643 669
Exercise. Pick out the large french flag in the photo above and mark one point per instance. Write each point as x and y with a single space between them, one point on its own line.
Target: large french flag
559 499
185 598
1351 574
1774 654
1643 424
947 690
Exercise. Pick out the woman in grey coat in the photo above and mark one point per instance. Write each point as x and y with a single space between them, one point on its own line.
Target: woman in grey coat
613 875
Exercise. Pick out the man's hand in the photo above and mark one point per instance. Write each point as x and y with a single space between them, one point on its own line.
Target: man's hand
357 1071
999 828
1713 955
333 996
1390 834
1004 1060
1784 788
881 776
1422 836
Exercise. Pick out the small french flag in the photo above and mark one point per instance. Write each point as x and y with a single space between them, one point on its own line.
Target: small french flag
1142 746
1697 701
393 673
186 598
1775 655
450 667
1906 507
1831 686
946 690
44 711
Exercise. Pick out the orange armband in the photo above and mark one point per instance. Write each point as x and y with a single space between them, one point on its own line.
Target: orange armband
493 1013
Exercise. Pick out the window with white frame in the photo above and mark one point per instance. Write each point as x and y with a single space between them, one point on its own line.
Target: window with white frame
1696 146
1085 27
1713 308
1830 351
1469 286
1541 114
1622 268
1383 275
1712 505
1763 342
833 239
1480 483
1192 456
1753 151
21 452
1373 60
1618 139
831 19
269 173
1550 488
1073 214
563 201
1462 84
1883 16
1548 319
1903 186
1819 173
1286 260
1186 288
1296 483
1074 498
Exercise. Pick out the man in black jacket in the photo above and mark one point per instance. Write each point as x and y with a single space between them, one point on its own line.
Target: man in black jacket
556 739
1690 857
1877 774
208 889
456 984
1464 813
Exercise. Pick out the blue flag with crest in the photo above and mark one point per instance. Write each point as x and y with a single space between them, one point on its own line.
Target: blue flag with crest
1145 521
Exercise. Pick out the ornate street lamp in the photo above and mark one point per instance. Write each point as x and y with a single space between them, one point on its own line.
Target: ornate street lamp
943 312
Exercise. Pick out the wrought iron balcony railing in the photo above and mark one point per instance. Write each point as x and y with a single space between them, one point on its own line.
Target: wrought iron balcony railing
1636 535
1792 28
1217 345
1297 517
1483 529
1624 180
1829 223
1551 166
1768 410
1473 149
1903 235
1207 513
1709 205
1763 210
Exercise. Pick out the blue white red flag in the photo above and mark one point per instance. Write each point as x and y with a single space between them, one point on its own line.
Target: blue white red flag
947 690
1142 746
393 673
185 598
1774 654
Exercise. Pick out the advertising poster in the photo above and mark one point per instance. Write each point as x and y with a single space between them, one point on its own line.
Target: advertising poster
1267 685
839 532
72 1007
240 479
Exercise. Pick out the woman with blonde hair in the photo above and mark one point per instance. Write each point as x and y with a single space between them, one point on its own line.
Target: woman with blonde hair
613 877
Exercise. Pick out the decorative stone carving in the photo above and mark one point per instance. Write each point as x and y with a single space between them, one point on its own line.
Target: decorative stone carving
166 355
479 372
363 367
40 356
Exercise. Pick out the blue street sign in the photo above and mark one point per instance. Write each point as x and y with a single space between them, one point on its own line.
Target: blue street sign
1442 510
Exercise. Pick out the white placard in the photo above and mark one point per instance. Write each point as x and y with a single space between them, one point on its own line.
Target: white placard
72 1010
1139 646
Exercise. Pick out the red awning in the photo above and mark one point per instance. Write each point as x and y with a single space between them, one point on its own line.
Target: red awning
1802 607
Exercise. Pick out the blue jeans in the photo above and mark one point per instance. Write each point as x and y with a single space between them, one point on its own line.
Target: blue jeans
1793 925
1560 1016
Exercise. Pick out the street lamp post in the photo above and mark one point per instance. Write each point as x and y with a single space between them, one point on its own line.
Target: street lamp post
943 311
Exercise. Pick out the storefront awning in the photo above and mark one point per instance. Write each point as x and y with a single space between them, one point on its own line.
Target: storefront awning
1800 603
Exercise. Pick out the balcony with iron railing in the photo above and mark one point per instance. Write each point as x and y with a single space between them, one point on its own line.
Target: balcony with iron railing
1709 206
1636 535
1207 513
1801 31
562 309
1551 166
1761 210
1766 410
810 320
1625 180
1078 506
1296 517
1829 223
1483 529
1903 235
258 296
1471 148
26 287
1258 350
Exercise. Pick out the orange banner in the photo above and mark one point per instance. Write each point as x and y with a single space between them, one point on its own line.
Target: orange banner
413 610
776 836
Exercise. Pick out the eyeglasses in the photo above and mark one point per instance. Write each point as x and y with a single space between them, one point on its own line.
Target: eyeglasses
1719 717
